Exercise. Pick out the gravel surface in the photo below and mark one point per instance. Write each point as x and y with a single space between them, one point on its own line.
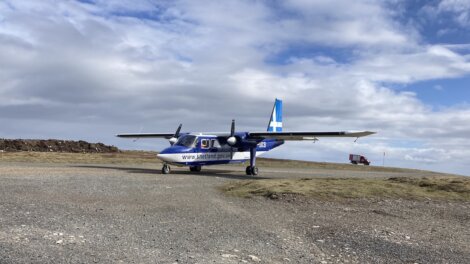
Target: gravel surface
133 214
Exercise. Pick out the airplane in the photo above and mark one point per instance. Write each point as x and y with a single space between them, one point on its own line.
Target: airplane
203 149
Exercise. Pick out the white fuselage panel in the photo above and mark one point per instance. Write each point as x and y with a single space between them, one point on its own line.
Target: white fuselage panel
206 156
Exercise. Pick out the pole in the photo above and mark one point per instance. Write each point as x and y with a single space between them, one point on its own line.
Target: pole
383 160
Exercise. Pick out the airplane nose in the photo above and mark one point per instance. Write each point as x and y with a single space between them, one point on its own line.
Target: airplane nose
174 154
163 155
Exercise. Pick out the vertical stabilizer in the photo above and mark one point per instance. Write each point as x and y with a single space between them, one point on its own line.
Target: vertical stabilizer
275 123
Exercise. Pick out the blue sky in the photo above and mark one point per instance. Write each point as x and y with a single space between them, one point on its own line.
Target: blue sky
91 69
443 93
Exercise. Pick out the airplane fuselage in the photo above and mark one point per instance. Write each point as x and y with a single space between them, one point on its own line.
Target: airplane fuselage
199 150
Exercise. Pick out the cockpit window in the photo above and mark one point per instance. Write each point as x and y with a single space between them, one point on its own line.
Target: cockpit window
186 141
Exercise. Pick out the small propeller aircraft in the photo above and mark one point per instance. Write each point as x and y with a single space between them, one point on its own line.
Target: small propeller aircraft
201 149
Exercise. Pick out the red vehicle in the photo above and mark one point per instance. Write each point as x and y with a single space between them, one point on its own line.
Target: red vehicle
358 159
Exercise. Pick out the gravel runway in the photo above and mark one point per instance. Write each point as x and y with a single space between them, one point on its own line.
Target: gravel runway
133 214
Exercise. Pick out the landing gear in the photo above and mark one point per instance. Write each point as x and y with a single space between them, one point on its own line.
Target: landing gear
166 169
252 169
195 168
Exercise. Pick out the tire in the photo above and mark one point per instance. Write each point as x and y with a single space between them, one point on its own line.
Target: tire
195 168
248 170
166 169
254 171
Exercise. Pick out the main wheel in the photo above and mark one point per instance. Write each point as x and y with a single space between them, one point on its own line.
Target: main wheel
195 168
166 169
248 170
254 171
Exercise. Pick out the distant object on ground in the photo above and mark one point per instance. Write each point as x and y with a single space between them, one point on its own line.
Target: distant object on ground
358 159
54 145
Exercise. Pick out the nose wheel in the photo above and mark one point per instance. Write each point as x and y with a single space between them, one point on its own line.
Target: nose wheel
195 168
166 169
251 170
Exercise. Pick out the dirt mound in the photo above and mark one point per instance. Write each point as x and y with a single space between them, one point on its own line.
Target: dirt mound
54 145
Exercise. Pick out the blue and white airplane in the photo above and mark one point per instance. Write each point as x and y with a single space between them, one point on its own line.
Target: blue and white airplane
202 149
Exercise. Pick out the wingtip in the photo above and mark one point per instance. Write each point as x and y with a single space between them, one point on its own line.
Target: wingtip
369 133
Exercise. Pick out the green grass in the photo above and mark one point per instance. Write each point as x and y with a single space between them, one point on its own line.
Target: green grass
149 157
283 163
435 187
439 188
144 157
124 157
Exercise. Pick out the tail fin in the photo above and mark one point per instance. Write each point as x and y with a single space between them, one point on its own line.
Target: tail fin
275 123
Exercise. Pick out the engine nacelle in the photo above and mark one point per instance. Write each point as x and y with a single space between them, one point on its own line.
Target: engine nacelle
232 141
173 140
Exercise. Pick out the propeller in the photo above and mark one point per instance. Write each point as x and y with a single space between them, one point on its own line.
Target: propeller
176 135
232 140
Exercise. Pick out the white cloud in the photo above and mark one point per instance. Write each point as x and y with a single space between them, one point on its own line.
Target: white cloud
361 23
461 9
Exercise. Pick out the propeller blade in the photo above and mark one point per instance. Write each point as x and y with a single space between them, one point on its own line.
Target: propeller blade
177 133
232 133
175 137
232 130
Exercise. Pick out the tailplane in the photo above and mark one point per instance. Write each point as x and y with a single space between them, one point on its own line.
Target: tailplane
275 123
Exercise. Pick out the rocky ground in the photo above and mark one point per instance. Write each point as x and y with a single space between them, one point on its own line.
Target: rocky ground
54 145
133 214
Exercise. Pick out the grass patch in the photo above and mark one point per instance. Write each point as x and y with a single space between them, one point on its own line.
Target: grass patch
286 164
123 157
149 157
439 188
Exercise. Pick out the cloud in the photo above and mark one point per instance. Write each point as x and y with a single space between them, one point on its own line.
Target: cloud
91 69
461 9
423 63
361 23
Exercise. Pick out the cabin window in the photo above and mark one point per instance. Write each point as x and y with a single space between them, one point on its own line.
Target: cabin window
205 143
215 143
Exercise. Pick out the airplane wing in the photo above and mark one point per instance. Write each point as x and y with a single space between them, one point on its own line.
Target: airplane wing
147 135
308 135
273 135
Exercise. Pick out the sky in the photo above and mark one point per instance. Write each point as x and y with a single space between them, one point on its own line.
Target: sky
91 69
